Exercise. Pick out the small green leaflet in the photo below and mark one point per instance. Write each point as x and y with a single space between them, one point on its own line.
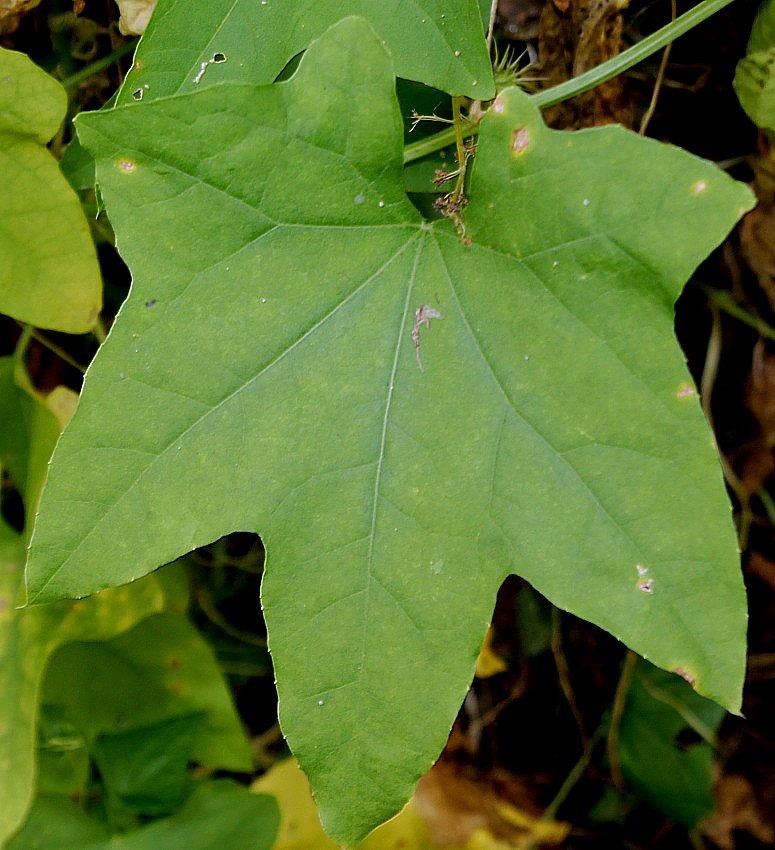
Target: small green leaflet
263 376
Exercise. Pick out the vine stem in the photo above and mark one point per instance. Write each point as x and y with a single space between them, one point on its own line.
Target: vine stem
617 710
660 77
457 127
625 60
589 79
95 67
491 23
30 332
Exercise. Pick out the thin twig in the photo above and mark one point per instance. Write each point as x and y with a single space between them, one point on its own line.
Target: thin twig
95 67
724 300
617 710
563 673
570 781
709 372
491 24
53 347
660 76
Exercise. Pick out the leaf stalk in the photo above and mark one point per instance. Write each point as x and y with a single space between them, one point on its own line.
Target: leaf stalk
592 78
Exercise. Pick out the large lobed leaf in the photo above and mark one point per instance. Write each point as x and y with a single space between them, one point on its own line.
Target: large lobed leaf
49 274
263 376
188 45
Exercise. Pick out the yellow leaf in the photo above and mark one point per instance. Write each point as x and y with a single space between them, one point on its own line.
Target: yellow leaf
300 828
488 663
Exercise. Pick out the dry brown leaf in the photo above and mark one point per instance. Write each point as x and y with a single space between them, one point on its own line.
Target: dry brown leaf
463 810
736 809
575 36
12 11
135 15
757 230
753 460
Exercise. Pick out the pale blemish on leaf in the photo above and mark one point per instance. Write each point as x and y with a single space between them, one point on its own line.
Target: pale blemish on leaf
699 186
645 585
497 106
422 316
520 139
127 166
684 674
215 59
685 391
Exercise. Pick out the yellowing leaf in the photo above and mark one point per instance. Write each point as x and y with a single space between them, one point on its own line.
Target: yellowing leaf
300 827
48 266
488 663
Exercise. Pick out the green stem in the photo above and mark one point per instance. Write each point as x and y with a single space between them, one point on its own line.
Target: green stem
431 144
457 126
724 301
577 771
625 60
95 67
56 349
617 710
588 80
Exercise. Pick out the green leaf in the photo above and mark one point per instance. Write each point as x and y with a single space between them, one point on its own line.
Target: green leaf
159 670
754 81
755 87
218 814
27 639
675 778
77 165
49 274
15 408
57 823
763 29
29 636
189 44
146 768
64 765
262 376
